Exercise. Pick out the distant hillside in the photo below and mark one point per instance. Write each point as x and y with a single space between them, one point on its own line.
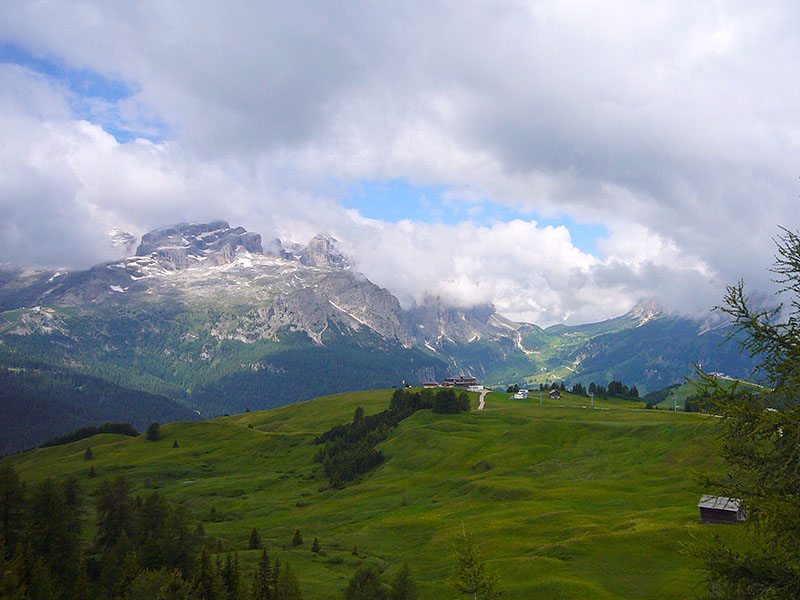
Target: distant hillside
207 316
39 401
567 501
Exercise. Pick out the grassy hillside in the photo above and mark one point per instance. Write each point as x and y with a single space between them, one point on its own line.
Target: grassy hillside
568 501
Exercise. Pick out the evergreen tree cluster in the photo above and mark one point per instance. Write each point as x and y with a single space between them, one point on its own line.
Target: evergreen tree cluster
85 432
447 402
350 448
615 389
367 584
699 403
40 402
144 548
758 435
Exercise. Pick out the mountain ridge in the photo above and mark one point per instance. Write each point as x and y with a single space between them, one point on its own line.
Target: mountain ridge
205 315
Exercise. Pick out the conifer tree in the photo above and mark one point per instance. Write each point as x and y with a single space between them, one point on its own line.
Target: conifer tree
92 473
206 583
230 575
88 454
255 540
463 402
288 587
758 436
130 571
11 587
11 506
82 589
154 432
276 570
365 584
33 573
175 444
116 513
262 580
471 577
403 586
315 546
297 539
175 588
54 527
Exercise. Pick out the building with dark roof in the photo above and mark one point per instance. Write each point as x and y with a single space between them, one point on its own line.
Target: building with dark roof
460 381
719 509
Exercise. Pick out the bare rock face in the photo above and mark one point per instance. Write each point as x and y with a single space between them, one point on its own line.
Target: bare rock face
179 245
323 251
120 238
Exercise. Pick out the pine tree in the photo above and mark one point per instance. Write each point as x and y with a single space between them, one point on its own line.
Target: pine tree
355 550
230 575
315 546
297 539
88 454
11 506
463 402
117 513
262 580
32 572
758 436
175 588
365 584
288 587
255 540
175 444
81 588
92 473
471 577
54 527
131 569
403 586
206 583
154 432
276 571
11 587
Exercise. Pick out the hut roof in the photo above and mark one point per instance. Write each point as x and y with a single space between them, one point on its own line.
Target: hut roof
719 503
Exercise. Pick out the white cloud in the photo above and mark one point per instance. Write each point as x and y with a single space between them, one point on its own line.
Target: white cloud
675 125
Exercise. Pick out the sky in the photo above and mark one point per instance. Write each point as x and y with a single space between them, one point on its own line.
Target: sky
561 160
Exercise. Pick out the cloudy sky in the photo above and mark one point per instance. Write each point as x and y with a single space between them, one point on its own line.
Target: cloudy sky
559 159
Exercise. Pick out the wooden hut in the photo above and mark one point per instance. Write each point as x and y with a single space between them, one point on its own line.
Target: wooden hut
718 509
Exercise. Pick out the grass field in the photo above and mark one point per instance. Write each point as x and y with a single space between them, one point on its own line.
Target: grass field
567 500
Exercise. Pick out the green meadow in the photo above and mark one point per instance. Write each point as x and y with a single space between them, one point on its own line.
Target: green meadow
568 501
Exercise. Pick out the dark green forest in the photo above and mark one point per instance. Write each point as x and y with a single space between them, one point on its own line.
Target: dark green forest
39 401
144 367
145 547
350 448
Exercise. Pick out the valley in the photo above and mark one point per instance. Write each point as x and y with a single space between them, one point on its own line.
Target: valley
567 501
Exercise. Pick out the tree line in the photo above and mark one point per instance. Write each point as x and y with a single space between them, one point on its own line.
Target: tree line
148 547
85 432
144 548
614 389
350 448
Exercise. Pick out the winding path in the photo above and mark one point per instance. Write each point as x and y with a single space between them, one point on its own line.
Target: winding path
480 400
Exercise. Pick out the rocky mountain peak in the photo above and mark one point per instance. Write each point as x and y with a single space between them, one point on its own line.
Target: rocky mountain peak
178 245
120 238
646 310
323 251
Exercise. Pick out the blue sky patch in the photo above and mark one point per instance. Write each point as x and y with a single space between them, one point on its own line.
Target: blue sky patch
397 199
95 97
